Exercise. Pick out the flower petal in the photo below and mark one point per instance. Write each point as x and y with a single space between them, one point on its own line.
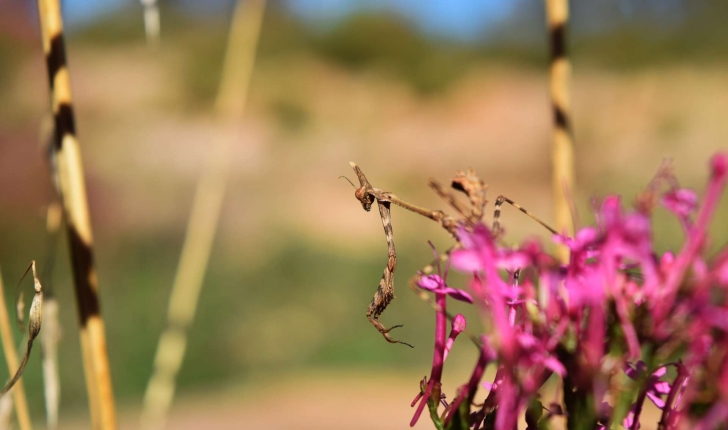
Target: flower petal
660 372
681 201
526 340
512 260
431 282
722 271
662 387
633 372
555 366
466 260
629 419
459 295
656 399
610 211
586 236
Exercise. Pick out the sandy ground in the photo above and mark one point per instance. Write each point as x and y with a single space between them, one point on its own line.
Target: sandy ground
306 402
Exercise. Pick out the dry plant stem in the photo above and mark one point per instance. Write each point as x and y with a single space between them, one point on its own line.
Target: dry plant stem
151 22
49 339
51 332
230 104
11 359
51 335
34 323
80 238
6 412
557 14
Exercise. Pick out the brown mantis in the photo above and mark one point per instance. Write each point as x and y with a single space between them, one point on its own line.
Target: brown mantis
466 182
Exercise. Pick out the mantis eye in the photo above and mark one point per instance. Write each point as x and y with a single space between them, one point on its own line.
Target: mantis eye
360 193
364 197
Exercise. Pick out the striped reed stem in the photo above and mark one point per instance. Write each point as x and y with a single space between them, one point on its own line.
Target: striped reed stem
557 16
230 104
73 191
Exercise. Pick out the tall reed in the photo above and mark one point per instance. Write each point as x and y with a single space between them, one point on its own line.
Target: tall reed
151 21
229 105
51 334
557 15
70 178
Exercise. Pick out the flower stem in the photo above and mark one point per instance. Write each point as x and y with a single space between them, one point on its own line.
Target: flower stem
671 402
432 393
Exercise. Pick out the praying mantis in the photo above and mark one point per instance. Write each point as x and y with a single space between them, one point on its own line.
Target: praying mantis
466 182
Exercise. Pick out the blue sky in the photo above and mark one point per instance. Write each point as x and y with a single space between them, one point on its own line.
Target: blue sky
461 19
455 18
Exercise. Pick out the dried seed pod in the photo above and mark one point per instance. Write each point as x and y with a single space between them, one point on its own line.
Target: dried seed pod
36 316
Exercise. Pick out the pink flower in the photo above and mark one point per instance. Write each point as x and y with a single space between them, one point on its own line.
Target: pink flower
654 387
719 166
615 303
721 268
582 241
681 201
458 326
437 285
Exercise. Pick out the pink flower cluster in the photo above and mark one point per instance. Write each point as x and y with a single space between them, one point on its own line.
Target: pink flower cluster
615 326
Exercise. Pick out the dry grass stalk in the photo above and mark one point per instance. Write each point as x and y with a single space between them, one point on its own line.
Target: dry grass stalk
557 14
151 21
51 335
49 339
11 359
6 412
73 191
230 104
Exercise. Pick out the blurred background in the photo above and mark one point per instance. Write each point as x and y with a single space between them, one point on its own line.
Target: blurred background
409 90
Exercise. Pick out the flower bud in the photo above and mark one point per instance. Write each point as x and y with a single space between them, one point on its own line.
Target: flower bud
458 326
